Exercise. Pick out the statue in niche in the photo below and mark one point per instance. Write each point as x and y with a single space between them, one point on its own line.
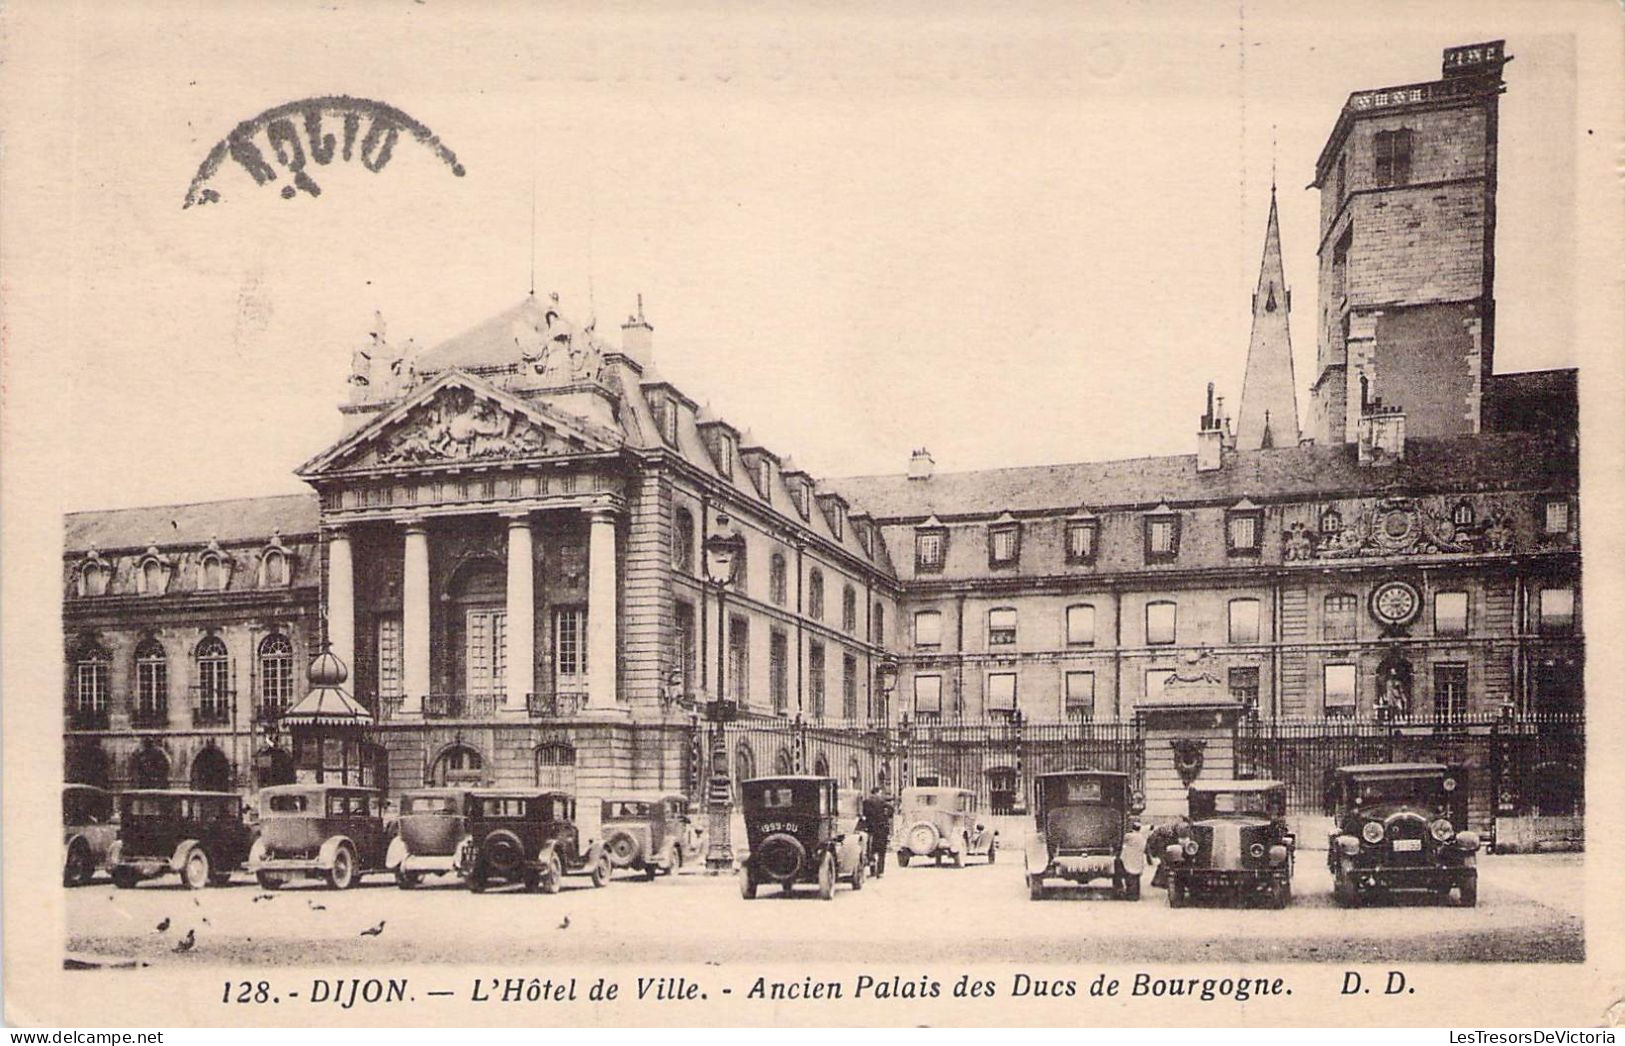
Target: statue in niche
1394 686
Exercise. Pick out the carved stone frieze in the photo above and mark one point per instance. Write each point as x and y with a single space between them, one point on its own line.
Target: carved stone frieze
458 425
1403 526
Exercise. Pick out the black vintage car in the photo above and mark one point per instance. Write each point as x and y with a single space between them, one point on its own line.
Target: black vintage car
1402 826
1235 845
529 837
1087 831
796 835
200 835
89 831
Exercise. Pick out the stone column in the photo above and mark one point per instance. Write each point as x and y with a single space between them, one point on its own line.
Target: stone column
341 600
415 605
602 630
521 628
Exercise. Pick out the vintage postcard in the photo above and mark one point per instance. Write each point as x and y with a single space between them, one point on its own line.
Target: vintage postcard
806 515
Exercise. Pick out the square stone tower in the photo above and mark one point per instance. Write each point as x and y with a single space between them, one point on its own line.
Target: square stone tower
1406 315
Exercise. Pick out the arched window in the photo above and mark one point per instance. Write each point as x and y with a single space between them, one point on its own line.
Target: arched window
849 609
211 771
87 764
820 766
744 769
815 594
783 764
457 765
276 675
682 542
94 576
152 577
276 567
91 682
778 590
151 683
213 679
149 768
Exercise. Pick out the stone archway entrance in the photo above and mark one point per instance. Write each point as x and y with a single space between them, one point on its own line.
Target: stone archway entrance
149 768
211 771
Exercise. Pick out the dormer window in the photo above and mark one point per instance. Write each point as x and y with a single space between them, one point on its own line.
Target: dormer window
798 495
95 573
668 420
837 520
725 455
1004 542
276 567
214 569
152 574
1243 529
1082 534
930 547
1161 535
764 479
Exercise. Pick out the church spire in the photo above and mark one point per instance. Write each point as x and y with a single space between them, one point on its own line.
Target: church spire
1269 402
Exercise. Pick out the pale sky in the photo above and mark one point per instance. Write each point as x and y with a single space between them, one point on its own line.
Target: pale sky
1012 240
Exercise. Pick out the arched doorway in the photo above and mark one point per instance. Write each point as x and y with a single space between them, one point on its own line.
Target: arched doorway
744 768
556 766
478 627
458 765
211 771
87 764
149 768
820 766
783 763
273 766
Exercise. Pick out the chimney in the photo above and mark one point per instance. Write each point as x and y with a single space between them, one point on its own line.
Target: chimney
1210 437
920 465
1382 435
637 337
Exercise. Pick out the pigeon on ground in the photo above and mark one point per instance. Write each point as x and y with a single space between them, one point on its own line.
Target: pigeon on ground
264 897
565 925
161 927
197 902
316 907
185 943
374 931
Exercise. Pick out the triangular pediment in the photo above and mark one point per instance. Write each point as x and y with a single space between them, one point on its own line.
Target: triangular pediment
458 418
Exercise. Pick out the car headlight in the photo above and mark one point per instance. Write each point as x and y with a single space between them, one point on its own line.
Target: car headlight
1442 830
1174 852
1191 846
1256 851
1372 832
1277 855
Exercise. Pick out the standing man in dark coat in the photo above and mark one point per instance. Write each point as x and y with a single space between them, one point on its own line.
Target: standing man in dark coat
877 818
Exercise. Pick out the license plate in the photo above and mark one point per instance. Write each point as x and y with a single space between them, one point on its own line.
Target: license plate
1401 845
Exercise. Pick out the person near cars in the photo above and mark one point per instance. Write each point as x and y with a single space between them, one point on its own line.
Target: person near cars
877 819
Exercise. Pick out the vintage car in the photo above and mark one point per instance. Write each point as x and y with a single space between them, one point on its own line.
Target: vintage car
796 834
648 832
327 831
1235 845
1402 826
529 837
89 831
200 835
1087 830
939 823
433 835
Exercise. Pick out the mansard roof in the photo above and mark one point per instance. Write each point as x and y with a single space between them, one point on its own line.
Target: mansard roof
239 519
1482 462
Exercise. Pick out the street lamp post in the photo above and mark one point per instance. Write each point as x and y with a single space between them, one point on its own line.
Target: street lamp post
722 551
886 682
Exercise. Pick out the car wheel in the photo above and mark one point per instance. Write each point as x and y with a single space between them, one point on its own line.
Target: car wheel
1469 890
602 868
826 877
1035 887
125 878
1131 887
342 874
857 877
79 867
747 885
1176 892
408 880
553 875
902 858
195 872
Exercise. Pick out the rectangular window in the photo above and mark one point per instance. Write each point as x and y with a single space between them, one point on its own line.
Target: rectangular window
1450 613
1160 540
778 661
1080 625
1160 622
1338 616
1080 695
1243 621
815 679
569 641
668 420
928 696
1338 683
1001 691
486 651
927 628
1241 534
152 684
1557 517
1154 680
1001 626
1556 610
764 479
91 686
929 546
1449 690
849 687
1003 545
1080 541
389 658
1393 157
1244 686
739 659
686 662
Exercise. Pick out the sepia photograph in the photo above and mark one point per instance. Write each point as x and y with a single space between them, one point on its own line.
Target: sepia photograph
698 516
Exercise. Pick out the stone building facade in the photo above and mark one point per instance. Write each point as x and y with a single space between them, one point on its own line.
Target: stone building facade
507 546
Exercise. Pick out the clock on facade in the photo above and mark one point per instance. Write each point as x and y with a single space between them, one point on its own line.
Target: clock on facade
1396 603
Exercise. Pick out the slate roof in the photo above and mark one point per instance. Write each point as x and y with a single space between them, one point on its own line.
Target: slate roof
1460 463
490 341
240 519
